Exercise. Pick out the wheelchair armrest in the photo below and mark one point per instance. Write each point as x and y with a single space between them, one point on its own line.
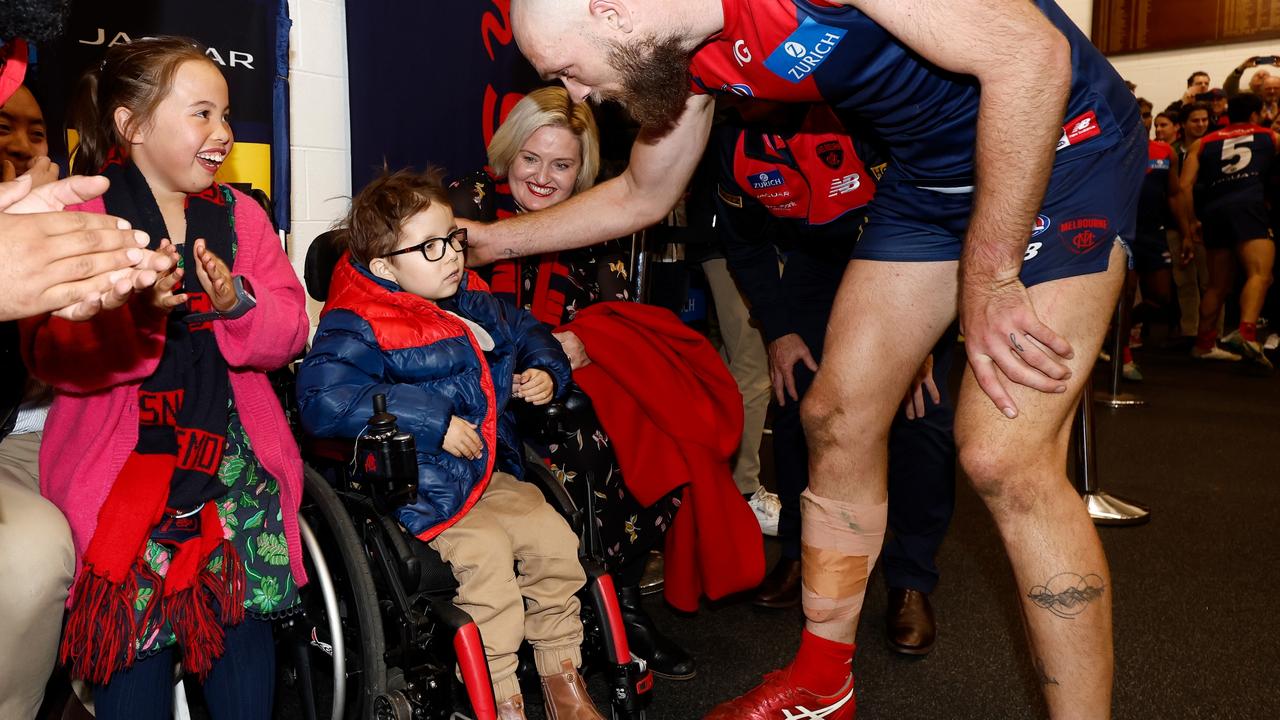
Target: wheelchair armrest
537 472
551 423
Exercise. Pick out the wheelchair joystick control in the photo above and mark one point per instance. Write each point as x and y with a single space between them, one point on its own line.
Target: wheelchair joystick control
387 459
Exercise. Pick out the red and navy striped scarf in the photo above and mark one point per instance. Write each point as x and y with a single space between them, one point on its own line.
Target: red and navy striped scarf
182 425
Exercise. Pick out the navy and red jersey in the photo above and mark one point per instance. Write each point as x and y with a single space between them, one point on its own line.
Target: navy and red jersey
1154 212
807 51
1234 166
814 173
803 188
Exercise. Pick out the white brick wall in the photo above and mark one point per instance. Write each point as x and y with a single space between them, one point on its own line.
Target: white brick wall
320 142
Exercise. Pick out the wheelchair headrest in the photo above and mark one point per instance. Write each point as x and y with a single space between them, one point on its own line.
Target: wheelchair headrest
322 257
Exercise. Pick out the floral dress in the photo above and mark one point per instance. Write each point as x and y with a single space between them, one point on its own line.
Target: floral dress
627 530
252 519
577 279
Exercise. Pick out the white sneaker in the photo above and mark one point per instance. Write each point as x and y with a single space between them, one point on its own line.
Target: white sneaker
1131 372
1215 353
1252 352
767 507
1233 342
1273 342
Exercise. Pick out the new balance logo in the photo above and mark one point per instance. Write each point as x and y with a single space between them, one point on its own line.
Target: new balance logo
846 184
803 713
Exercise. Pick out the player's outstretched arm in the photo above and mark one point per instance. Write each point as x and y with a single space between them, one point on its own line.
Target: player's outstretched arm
660 168
1024 66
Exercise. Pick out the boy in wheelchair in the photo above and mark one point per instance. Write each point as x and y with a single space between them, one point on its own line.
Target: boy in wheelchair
407 320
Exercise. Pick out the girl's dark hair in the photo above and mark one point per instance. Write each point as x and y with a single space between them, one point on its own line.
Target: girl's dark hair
380 210
1185 113
136 76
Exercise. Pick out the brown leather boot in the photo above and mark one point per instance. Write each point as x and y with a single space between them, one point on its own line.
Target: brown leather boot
565 696
512 708
910 622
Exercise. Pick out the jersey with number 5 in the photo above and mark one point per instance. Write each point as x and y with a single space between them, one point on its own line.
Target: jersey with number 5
1234 165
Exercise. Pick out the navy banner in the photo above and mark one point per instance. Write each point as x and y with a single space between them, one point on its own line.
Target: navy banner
248 39
430 82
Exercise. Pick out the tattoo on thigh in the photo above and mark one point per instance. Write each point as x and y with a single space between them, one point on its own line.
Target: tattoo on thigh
1067 594
1045 678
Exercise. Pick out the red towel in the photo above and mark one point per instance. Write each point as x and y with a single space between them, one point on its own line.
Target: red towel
674 415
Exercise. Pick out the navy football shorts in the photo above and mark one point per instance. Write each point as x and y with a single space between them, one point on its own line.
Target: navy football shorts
1225 226
1091 202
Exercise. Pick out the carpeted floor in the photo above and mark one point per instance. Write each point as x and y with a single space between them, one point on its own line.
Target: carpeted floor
1195 614
1195 620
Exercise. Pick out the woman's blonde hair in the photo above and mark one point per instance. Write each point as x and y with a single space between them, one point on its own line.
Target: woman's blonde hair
548 107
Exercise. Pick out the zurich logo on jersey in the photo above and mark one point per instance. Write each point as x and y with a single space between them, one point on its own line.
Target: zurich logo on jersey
1041 224
804 50
767 179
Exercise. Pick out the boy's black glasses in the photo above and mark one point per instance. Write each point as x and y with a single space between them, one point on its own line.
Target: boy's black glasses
433 248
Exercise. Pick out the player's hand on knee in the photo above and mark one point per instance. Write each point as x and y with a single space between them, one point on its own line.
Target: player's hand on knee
1004 337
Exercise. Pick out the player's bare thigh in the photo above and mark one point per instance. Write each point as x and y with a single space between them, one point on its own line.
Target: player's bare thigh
886 317
992 446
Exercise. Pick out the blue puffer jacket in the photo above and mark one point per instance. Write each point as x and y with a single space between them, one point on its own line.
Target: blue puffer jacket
373 338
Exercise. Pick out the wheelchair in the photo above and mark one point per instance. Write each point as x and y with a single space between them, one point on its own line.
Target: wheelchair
378 636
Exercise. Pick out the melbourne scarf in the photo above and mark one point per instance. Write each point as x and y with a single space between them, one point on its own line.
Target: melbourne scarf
173 470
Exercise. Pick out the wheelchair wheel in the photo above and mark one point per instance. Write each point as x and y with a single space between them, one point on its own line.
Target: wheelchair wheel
334 652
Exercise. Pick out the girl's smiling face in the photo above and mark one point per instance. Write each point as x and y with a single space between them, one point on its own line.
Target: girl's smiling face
188 137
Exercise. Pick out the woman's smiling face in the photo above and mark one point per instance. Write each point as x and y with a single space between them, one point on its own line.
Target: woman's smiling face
545 169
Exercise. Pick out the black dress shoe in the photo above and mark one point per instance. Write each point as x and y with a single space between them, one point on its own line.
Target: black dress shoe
665 658
781 587
909 619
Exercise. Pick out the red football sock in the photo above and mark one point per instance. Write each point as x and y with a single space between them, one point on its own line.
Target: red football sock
822 666
1128 355
1205 340
1249 331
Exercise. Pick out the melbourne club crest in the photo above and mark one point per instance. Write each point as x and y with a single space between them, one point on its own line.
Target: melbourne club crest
831 153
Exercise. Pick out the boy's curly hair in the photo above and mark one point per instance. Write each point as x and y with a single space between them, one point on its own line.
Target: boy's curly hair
380 210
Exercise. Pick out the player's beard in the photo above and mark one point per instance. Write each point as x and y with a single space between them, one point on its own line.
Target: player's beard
654 77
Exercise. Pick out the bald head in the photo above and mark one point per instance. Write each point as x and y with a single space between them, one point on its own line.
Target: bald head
562 40
1271 88
1257 79
633 51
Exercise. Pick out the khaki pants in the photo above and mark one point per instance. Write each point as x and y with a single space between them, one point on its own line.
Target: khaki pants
37 563
748 363
512 525
1191 282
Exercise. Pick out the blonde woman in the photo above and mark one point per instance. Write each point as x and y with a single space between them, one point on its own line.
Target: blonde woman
547 150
